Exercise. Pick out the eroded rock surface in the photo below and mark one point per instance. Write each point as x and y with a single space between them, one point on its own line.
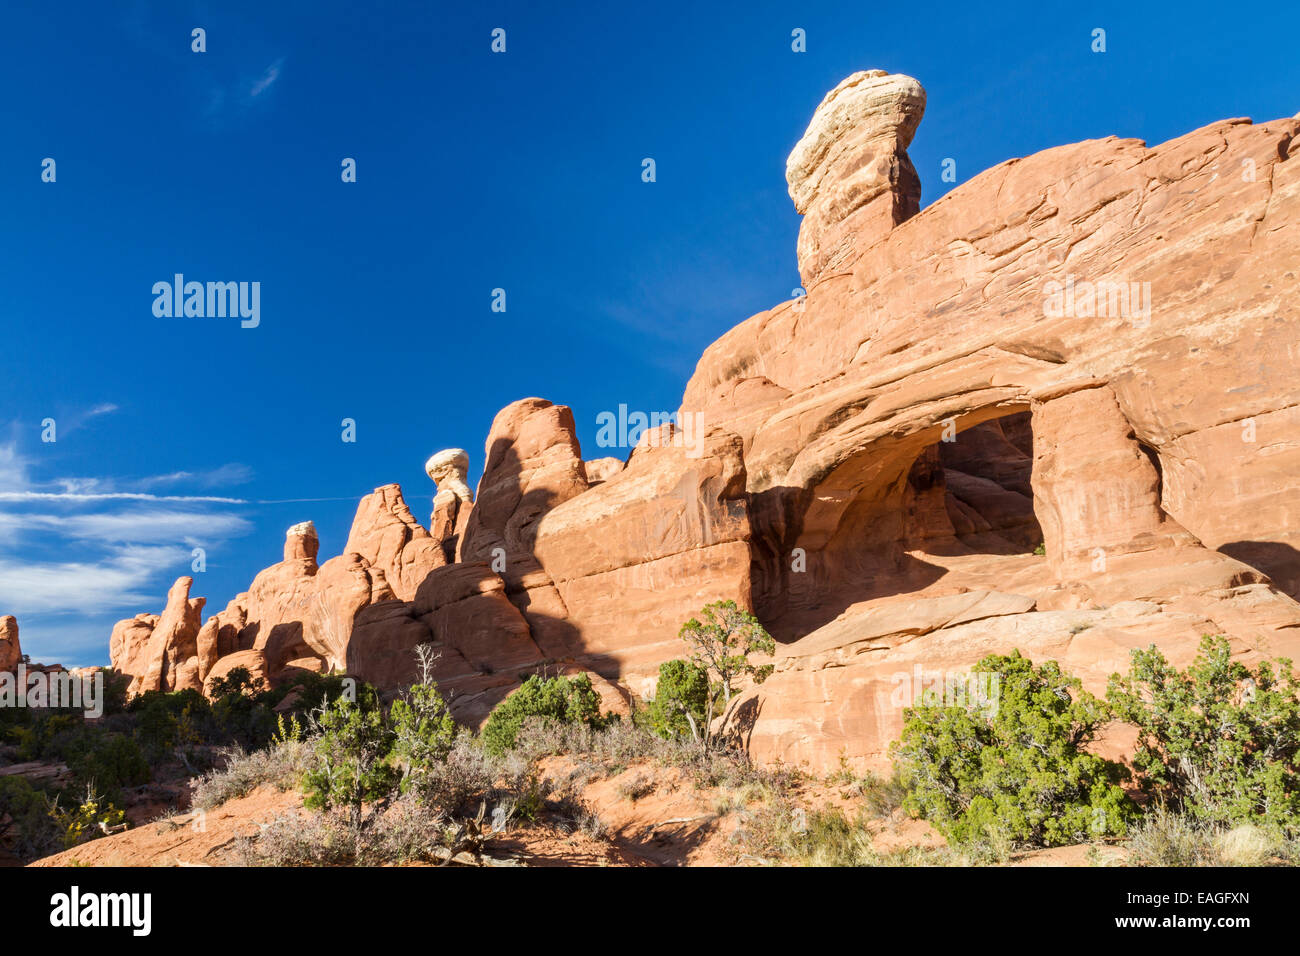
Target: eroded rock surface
849 175
1054 411
448 469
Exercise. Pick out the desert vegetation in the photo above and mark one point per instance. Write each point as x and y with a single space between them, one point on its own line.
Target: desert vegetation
83 774
1213 780
405 784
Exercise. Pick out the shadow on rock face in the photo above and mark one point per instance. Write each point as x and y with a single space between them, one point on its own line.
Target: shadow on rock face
1279 561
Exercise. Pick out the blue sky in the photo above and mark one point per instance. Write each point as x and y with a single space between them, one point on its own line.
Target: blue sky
475 171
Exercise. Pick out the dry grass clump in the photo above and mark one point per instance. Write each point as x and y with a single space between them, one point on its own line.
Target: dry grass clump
281 764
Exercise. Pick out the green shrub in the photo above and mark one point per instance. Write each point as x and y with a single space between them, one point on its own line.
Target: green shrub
423 732
347 767
36 826
1218 741
561 699
680 702
26 823
237 682
116 685
108 763
313 690
240 714
166 720
94 754
46 735
1021 775
241 720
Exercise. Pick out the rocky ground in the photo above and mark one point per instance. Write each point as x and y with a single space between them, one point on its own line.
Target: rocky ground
649 816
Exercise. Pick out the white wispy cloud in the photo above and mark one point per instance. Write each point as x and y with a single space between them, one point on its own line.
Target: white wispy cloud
220 477
225 99
13 467
15 484
266 80
113 496
79 550
119 579
67 422
137 526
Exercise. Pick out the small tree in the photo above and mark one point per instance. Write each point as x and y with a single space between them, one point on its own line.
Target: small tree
1219 741
720 646
423 728
347 769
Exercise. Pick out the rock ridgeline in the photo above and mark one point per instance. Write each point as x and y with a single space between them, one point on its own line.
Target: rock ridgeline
1057 410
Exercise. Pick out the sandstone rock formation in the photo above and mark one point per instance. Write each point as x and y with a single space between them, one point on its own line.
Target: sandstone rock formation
668 532
129 641
533 464
849 175
1023 291
448 469
11 652
1055 411
169 657
391 541
301 543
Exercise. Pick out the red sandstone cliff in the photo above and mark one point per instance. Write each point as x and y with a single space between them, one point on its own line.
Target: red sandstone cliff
1089 348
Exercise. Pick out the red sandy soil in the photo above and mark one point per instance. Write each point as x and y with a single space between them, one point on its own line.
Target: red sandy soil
652 816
